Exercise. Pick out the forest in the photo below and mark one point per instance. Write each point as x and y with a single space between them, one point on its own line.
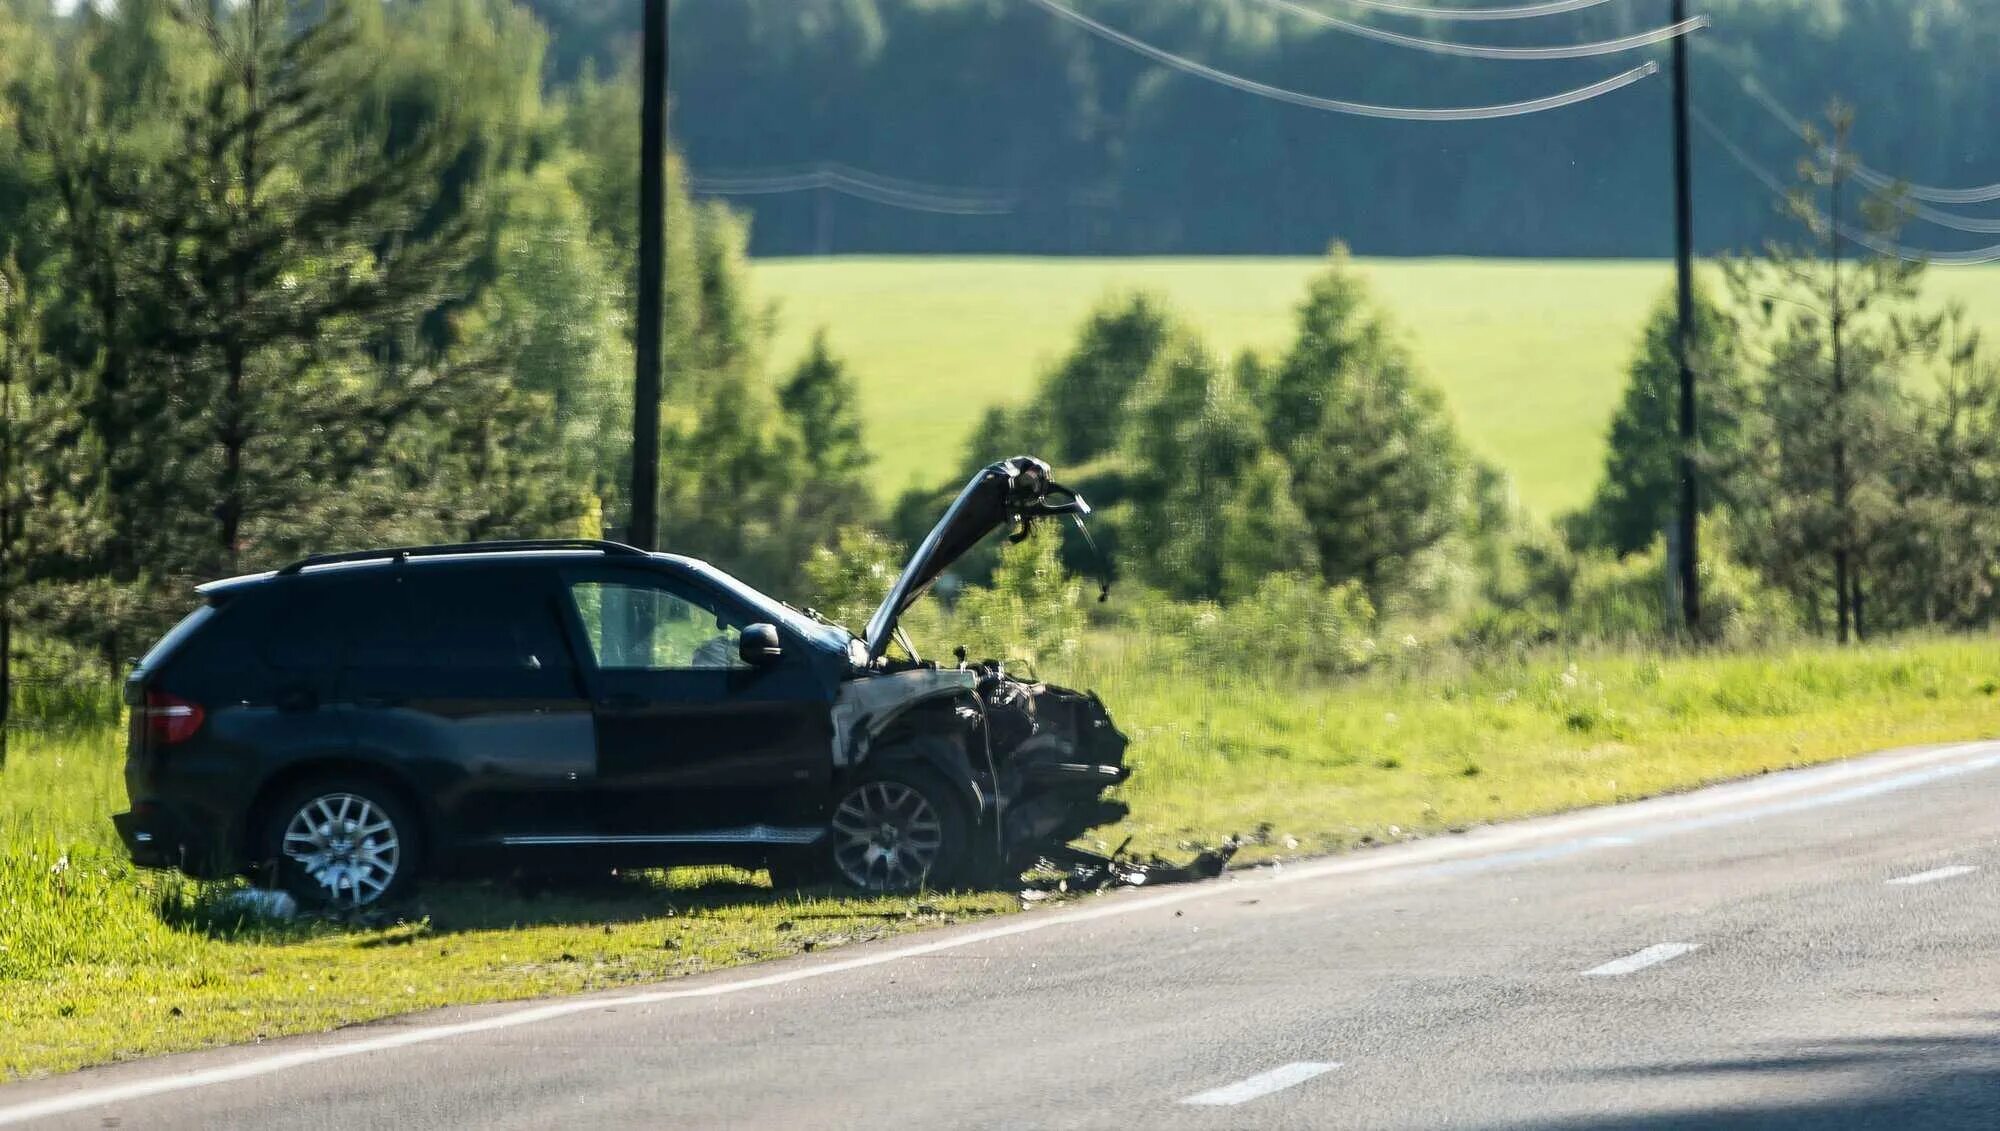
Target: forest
279 279
1038 138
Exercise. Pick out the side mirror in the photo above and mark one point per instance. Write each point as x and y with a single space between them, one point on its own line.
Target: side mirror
759 646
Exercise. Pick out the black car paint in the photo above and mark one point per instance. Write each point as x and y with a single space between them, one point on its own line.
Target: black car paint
688 752
528 754
569 756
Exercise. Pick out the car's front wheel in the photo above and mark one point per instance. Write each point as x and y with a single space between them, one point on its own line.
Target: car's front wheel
898 829
344 843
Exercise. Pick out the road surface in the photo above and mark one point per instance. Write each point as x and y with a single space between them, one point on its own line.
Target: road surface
1815 949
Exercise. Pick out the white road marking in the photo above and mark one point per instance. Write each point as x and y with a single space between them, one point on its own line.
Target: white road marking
1262 1084
1651 956
1935 874
1639 821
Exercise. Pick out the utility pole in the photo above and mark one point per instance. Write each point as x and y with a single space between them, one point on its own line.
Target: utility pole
1842 582
1690 532
643 528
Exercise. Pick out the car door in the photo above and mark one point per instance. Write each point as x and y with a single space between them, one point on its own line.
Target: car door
696 746
462 675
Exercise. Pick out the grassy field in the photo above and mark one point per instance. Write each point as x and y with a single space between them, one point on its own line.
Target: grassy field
1530 353
99 962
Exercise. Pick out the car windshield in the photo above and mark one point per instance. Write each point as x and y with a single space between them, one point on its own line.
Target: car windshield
830 636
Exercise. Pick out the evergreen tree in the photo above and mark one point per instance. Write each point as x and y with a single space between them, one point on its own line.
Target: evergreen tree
823 404
1842 330
1640 492
1377 468
301 254
1193 446
1939 563
1083 399
1263 531
822 410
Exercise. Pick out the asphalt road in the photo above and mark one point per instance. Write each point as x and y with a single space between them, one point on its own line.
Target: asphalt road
1815 949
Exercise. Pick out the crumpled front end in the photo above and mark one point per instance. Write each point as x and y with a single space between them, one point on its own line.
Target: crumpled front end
1055 752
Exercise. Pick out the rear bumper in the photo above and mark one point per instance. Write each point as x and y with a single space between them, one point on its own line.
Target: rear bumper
157 837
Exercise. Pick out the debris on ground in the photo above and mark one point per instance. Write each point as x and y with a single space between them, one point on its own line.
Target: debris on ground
1073 870
260 903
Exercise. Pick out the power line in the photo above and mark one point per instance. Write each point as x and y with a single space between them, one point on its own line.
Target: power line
890 191
1340 106
1976 224
1875 178
1518 12
1870 240
1488 51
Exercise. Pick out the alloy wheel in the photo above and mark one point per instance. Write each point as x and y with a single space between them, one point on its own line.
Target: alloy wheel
348 845
887 837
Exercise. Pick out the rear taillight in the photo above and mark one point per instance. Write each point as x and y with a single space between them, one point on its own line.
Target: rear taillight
169 719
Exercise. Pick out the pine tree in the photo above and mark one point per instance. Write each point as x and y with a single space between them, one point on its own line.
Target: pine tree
1640 492
1939 563
303 264
822 411
1083 398
823 404
1193 445
48 519
1841 327
1377 467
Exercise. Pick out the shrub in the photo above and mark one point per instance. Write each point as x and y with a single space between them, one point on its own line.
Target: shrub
846 580
1290 623
1032 612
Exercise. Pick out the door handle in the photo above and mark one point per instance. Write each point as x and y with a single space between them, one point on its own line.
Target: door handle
623 701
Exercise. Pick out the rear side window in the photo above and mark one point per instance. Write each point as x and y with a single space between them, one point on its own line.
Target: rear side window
310 629
460 633
485 619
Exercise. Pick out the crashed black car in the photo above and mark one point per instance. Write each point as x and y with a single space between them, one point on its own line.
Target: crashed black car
352 721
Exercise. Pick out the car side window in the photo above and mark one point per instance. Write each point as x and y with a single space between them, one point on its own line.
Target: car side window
428 631
636 625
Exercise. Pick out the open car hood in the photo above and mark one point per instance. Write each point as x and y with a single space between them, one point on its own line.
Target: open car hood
1013 492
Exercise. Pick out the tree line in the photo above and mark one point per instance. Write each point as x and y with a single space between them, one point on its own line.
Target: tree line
1107 153
1849 456
282 277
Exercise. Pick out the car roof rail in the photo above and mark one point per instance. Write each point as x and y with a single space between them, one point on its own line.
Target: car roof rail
514 546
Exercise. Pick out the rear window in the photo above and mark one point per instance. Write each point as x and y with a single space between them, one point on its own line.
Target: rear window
157 657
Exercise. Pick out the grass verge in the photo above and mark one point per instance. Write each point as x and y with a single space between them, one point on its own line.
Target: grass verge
101 962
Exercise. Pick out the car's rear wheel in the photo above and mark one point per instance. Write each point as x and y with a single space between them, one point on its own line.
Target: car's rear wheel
342 842
899 829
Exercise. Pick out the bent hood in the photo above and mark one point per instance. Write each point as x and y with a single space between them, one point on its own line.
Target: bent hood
1012 492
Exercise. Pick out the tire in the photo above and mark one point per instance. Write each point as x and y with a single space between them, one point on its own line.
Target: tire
343 842
898 829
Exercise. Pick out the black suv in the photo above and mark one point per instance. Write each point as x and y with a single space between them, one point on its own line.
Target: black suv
353 720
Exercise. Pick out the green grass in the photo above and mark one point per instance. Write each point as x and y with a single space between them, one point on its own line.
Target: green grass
1333 766
99 961
1530 354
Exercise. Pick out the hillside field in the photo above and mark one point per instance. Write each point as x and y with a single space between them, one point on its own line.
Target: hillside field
1529 353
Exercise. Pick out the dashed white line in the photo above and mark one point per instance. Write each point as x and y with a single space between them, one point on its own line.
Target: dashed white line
1651 956
1260 1085
1935 874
